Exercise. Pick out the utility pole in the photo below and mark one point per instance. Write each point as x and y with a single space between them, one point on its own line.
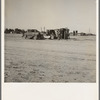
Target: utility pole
41 29
89 30
44 29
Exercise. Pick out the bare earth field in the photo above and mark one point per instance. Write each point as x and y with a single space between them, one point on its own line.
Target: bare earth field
63 61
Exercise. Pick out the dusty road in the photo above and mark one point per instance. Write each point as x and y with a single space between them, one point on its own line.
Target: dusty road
63 61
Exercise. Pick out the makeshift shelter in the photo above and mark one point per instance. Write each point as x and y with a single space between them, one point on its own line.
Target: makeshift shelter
62 33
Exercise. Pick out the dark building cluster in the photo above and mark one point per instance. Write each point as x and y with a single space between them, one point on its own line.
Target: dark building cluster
61 33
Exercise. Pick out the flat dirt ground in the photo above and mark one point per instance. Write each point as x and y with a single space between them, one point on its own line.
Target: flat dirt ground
28 60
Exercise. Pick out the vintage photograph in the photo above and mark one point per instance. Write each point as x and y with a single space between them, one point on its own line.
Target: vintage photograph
50 41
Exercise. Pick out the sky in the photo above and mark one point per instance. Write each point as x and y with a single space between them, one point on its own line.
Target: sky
52 14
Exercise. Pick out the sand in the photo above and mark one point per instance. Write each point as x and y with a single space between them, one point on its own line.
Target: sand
63 61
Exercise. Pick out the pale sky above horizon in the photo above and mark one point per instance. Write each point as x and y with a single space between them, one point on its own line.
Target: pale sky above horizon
27 14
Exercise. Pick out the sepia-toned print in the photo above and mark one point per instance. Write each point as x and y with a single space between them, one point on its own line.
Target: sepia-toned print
50 41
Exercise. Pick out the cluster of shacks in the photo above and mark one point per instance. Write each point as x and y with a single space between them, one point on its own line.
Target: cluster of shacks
62 33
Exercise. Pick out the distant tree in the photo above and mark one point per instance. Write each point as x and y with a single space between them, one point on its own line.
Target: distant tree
83 34
22 31
6 30
74 33
18 31
11 30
